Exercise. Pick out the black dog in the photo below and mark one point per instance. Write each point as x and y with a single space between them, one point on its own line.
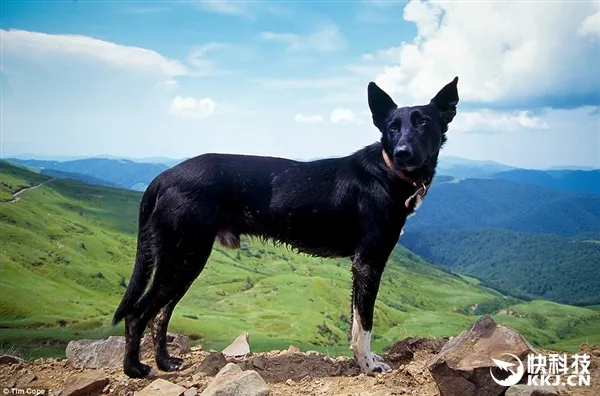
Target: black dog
353 206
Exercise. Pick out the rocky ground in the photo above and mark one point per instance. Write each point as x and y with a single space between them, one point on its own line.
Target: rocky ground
285 372
288 372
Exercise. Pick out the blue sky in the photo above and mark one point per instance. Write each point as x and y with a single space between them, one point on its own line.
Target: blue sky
288 78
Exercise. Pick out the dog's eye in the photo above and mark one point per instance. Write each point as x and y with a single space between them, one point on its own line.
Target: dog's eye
423 122
393 129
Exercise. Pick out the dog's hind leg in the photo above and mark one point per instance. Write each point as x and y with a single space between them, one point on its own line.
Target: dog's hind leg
193 265
134 329
366 275
173 276
158 326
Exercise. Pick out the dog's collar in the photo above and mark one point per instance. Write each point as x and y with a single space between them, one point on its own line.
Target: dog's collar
420 187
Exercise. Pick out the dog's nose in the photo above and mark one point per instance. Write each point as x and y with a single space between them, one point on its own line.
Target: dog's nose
402 152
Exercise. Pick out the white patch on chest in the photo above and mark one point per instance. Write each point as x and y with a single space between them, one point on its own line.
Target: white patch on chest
369 363
418 202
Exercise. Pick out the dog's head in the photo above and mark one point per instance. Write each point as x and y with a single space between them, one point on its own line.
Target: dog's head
413 136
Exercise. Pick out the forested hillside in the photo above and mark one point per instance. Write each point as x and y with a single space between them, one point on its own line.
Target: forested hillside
487 203
521 264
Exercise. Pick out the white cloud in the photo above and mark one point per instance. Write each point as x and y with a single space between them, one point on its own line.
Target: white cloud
192 108
559 144
34 44
326 39
495 121
590 25
496 50
308 119
344 116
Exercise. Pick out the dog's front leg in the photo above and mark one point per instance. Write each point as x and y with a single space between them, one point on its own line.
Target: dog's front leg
366 276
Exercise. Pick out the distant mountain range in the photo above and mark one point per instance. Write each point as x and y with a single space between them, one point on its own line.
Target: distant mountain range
566 180
489 203
467 168
522 239
109 172
63 158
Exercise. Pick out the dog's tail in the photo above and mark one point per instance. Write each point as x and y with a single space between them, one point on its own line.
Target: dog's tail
144 258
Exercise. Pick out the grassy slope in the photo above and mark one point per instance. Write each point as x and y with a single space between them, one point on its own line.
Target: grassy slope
15 178
66 248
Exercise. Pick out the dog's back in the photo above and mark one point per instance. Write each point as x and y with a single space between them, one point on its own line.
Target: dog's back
309 205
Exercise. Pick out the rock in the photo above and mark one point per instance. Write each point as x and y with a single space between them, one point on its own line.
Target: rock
191 392
10 359
239 347
212 364
27 378
259 362
109 352
528 390
161 387
198 376
85 384
96 353
462 368
293 349
232 381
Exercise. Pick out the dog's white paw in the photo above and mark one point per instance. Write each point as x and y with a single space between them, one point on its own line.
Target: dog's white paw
372 364
377 358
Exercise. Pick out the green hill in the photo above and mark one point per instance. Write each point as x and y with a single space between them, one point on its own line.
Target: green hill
68 248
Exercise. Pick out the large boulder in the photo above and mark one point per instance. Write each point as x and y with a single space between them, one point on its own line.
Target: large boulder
109 352
464 365
96 353
232 381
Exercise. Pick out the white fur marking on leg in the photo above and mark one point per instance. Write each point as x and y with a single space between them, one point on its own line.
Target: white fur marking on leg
369 362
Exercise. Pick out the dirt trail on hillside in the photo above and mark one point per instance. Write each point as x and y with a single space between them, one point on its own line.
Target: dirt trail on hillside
286 373
17 195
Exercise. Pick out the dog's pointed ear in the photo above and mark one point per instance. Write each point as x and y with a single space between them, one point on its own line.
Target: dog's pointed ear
380 104
446 100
